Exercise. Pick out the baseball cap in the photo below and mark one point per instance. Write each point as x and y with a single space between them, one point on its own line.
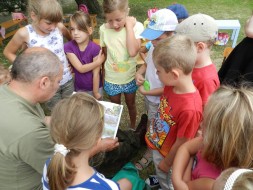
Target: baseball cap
179 10
199 27
161 21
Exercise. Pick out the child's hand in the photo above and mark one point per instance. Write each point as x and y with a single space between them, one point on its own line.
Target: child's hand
139 79
142 90
97 95
130 22
163 166
100 58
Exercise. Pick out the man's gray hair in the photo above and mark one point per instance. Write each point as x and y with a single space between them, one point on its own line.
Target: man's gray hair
34 63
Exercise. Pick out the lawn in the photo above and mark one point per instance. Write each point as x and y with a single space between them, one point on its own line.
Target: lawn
219 9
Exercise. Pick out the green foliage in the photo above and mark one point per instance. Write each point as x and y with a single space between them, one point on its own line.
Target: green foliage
12 5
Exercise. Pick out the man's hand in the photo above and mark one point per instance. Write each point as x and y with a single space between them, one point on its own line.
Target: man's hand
108 144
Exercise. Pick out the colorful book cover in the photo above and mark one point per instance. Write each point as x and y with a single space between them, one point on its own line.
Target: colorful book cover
112 115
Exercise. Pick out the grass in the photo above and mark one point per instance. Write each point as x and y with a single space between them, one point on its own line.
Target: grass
219 9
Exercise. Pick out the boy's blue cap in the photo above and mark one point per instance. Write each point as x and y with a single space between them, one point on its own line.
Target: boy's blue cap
161 21
179 10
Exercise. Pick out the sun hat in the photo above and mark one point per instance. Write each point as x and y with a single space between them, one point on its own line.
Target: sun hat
161 21
179 10
199 27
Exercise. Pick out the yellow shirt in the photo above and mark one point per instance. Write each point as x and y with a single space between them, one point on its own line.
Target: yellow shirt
120 68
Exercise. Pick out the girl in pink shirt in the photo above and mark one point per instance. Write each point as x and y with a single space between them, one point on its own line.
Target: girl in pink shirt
226 142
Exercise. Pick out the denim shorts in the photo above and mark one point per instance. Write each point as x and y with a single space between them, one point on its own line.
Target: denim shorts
115 89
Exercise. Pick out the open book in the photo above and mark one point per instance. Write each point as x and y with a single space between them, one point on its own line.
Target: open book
112 117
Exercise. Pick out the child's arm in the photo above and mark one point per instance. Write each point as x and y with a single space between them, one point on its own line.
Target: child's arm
65 32
139 74
153 92
18 41
96 77
75 62
133 44
181 162
167 162
104 51
143 50
201 183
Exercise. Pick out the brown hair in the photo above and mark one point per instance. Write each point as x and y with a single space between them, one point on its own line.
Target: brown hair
82 20
46 9
228 127
112 5
177 51
77 123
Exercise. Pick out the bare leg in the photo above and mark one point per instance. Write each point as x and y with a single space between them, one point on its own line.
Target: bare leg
125 184
130 102
116 99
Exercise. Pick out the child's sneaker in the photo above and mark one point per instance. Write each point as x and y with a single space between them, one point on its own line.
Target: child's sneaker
152 181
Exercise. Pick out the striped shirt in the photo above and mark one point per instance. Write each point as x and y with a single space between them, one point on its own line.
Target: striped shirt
96 181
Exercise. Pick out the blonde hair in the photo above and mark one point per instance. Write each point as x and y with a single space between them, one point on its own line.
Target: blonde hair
82 20
77 123
46 9
243 182
177 51
112 5
5 76
228 127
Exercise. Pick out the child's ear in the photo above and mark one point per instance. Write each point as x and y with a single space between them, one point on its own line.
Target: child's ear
33 16
90 30
175 74
200 46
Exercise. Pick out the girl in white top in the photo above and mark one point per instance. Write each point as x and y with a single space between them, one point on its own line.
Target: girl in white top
46 30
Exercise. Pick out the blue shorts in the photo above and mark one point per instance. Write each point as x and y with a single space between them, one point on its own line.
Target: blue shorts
115 89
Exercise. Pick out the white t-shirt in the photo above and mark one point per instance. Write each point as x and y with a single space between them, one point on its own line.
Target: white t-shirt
151 76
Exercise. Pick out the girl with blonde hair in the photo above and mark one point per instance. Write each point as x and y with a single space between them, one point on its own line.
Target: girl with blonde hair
234 179
227 140
45 30
76 132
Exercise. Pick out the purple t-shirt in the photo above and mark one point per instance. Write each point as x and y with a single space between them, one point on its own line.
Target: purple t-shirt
83 81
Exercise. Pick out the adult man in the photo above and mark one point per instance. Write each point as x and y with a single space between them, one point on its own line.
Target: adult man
24 139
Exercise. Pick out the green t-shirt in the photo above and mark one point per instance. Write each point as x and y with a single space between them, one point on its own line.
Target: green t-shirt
25 142
120 68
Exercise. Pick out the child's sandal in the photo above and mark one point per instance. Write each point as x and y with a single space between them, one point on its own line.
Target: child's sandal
144 161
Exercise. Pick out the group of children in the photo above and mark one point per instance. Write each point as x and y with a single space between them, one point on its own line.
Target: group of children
182 80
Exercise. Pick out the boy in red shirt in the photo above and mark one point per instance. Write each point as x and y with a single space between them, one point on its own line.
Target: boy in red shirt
180 110
203 30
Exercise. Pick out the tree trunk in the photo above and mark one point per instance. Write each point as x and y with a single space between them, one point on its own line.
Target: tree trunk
93 6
